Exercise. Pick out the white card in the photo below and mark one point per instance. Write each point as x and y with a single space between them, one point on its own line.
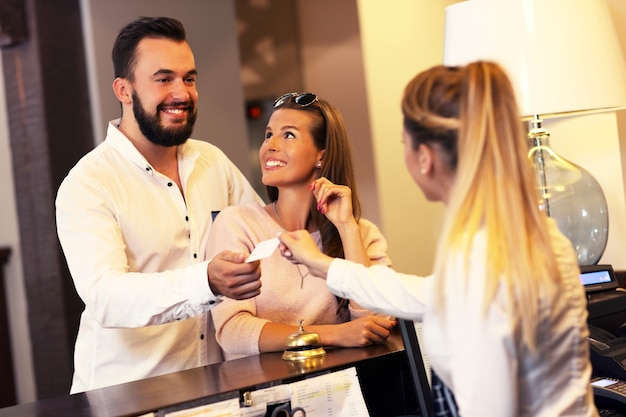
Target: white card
263 249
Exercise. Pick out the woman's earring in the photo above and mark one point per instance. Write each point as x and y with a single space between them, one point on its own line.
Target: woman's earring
319 164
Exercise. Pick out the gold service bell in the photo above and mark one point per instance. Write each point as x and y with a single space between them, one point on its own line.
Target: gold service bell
303 345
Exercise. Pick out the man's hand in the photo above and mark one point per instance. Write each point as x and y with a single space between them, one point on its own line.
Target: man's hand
229 275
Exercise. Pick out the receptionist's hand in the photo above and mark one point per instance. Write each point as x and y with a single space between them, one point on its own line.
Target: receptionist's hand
231 276
300 248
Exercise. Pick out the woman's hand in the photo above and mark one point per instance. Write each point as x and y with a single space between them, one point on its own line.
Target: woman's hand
363 331
300 248
334 201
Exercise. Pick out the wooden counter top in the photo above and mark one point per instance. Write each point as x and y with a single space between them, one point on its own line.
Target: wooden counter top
227 379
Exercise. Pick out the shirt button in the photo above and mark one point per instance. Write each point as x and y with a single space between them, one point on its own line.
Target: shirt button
186 218
148 169
212 302
195 255
201 337
169 184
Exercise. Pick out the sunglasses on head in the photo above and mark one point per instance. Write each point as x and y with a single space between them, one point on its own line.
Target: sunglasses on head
303 99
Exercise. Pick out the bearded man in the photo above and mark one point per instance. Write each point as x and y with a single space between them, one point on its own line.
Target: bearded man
133 218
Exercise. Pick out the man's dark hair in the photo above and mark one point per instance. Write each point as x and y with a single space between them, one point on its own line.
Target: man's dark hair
123 53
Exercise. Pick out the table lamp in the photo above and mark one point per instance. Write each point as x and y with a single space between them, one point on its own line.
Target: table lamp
563 58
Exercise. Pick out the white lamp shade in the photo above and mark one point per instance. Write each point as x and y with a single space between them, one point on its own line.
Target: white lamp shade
561 55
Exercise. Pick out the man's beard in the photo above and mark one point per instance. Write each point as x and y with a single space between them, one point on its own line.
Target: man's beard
150 125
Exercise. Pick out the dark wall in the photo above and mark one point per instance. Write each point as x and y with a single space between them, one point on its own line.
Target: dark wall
49 129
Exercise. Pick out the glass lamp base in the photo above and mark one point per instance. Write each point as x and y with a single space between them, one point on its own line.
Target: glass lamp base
572 197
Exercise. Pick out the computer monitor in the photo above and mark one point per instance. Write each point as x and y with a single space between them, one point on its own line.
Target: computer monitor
417 368
598 278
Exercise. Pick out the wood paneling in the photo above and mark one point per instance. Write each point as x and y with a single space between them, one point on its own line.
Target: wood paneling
7 382
49 128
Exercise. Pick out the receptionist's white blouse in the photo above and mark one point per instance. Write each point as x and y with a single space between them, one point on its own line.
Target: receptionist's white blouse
481 356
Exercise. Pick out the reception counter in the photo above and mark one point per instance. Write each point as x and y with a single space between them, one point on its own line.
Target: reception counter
381 369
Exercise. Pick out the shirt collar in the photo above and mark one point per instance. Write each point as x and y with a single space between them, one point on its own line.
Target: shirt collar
122 144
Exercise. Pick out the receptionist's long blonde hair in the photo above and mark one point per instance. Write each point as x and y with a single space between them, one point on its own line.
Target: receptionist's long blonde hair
470 114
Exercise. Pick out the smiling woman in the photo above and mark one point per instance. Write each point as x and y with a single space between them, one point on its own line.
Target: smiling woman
306 165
